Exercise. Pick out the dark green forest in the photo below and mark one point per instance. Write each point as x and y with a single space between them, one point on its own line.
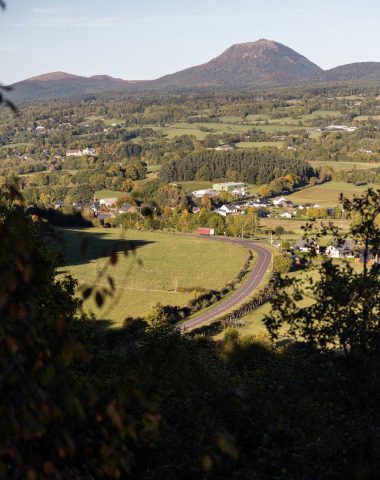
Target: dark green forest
260 167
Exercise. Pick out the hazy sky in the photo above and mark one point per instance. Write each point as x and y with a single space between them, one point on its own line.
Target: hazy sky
144 39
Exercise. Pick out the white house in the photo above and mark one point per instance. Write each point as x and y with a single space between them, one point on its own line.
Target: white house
286 215
229 209
345 249
108 202
89 151
279 201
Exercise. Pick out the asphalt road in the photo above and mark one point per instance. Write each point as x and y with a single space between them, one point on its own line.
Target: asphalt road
243 293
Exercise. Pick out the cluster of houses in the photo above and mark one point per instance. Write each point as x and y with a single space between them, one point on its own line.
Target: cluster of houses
103 210
267 206
347 248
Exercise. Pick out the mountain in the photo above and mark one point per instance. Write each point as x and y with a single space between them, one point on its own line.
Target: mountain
61 84
264 62
353 72
259 64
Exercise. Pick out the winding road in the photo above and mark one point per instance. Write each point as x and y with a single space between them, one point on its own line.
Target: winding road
243 293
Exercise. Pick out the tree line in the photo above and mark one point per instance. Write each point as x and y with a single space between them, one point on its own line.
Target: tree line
258 167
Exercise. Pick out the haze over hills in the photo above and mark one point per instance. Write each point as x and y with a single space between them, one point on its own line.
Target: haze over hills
245 65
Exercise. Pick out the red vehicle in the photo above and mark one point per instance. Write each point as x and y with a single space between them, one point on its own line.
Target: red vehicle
206 231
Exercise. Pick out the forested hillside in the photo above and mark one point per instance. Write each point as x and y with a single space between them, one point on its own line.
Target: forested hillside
259 167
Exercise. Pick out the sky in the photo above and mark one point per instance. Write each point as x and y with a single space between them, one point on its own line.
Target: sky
145 39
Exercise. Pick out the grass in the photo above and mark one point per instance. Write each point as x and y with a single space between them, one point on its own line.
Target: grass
348 166
295 226
192 186
259 144
327 195
100 194
169 264
16 145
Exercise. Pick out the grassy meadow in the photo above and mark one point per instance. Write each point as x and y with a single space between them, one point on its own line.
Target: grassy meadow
327 195
162 267
347 166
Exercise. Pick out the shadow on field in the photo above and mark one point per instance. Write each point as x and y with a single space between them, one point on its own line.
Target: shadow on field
79 247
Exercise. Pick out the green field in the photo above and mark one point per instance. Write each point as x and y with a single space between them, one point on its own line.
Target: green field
327 195
337 166
169 264
259 144
293 225
195 185
100 194
16 145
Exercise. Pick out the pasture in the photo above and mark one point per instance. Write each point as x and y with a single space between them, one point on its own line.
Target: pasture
347 166
160 267
100 194
248 145
296 226
327 194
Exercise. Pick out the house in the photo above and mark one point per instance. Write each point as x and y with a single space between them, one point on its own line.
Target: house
345 128
59 204
220 212
78 205
223 148
201 193
276 243
255 204
89 151
105 218
229 187
74 153
95 208
230 208
108 202
277 202
286 215
343 249
127 208
307 245
373 258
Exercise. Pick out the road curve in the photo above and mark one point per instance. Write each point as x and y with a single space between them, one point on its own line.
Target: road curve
243 293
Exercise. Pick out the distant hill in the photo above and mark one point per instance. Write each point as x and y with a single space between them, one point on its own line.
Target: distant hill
263 63
61 84
247 64
353 72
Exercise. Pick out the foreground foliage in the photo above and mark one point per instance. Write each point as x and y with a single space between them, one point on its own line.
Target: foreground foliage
81 400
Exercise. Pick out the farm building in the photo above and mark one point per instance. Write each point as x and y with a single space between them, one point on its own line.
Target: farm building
201 193
74 153
229 187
